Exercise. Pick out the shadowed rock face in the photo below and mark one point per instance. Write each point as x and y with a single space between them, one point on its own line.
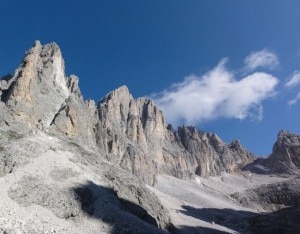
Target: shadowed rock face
285 157
130 132
271 197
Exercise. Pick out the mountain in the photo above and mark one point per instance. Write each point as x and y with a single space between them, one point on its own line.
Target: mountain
130 132
71 161
284 159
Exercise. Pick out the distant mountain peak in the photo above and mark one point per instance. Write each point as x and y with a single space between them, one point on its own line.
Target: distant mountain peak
285 157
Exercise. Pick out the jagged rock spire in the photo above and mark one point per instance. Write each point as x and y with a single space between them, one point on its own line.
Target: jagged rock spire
285 157
39 86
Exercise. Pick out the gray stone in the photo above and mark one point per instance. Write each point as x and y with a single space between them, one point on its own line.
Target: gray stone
16 150
285 157
63 174
32 190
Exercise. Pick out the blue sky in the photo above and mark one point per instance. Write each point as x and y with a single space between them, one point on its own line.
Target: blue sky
229 67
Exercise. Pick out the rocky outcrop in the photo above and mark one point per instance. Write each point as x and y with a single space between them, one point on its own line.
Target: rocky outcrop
285 157
271 197
131 133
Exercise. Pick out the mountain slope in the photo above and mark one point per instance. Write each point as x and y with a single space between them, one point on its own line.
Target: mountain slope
58 186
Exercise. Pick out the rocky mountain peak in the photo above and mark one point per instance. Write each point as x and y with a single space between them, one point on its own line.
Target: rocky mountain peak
73 86
120 108
120 92
38 87
115 105
285 157
35 49
287 138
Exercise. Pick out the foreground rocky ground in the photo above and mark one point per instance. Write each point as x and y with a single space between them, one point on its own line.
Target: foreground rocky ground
55 186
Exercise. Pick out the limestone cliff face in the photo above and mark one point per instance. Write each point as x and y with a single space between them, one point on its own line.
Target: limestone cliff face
285 157
211 154
137 138
38 87
76 118
39 95
131 133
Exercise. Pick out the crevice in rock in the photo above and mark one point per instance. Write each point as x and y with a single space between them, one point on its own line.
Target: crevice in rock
63 106
7 92
12 168
145 113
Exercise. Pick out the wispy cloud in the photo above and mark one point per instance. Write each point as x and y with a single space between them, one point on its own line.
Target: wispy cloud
295 100
216 94
294 81
261 59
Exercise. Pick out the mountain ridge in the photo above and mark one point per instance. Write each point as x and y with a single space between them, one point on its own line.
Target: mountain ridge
133 132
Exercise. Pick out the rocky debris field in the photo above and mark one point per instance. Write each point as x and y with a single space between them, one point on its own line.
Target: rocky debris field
57 190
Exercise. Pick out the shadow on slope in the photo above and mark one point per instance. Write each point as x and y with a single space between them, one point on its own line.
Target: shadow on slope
282 221
123 216
196 230
229 218
258 166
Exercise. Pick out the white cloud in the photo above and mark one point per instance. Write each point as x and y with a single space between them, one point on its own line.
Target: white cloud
216 94
294 81
295 100
261 59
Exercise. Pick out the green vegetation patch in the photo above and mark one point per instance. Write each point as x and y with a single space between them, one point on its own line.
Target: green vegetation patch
14 135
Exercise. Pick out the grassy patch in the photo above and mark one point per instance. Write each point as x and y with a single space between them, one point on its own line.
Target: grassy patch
73 144
13 135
